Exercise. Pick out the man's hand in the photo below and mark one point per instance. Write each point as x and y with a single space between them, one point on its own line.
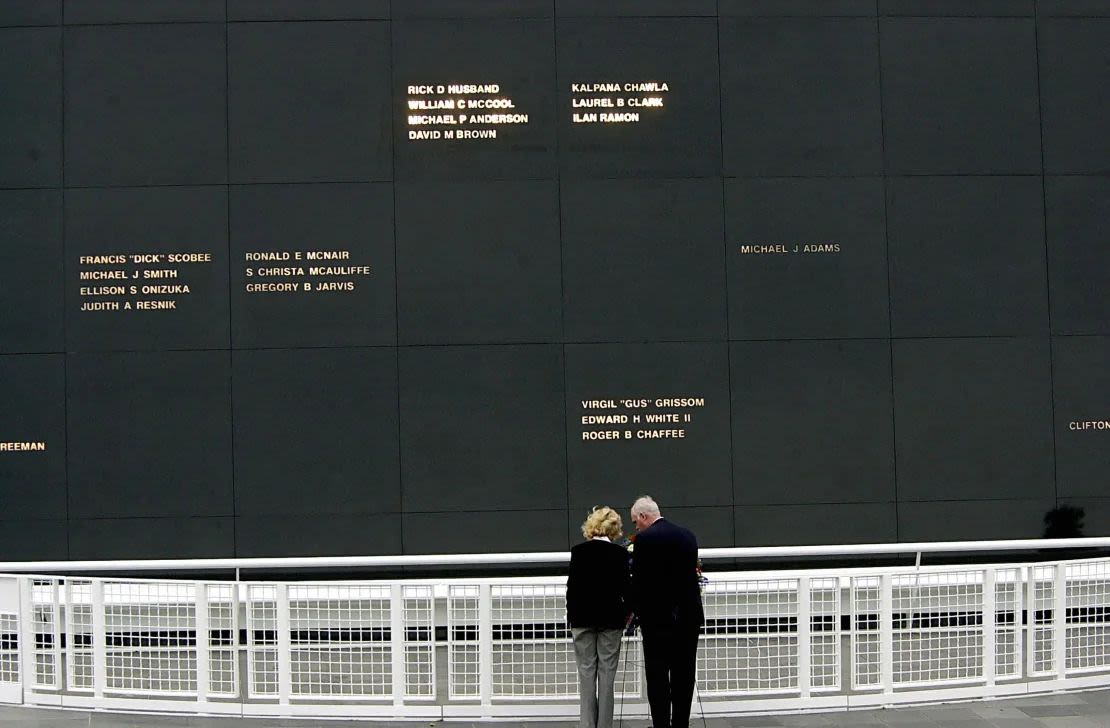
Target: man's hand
630 625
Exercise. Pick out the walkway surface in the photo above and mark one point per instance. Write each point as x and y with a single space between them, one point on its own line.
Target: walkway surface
1069 710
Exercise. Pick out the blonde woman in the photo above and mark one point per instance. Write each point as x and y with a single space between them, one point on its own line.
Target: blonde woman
597 609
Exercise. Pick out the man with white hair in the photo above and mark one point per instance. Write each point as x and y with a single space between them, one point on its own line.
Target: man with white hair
666 598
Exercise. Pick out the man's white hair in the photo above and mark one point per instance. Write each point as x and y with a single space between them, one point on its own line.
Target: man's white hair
645 505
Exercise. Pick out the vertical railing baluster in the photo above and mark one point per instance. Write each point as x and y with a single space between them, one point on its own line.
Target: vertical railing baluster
284 646
237 642
805 657
99 640
485 647
56 587
203 652
1019 629
27 637
71 636
990 647
1029 573
397 641
886 633
1060 621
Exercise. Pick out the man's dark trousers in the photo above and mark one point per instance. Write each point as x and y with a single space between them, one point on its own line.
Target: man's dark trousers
667 600
670 663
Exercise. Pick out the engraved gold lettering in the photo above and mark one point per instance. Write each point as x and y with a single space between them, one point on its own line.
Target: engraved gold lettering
682 402
327 255
273 287
102 259
601 435
22 446
660 434
102 275
1081 425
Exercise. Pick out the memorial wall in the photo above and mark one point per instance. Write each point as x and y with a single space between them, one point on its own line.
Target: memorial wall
339 277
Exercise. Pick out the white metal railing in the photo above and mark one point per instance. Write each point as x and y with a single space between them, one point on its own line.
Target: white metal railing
467 648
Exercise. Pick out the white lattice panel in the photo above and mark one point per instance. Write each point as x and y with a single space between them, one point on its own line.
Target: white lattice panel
223 640
9 647
866 638
46 623
79 635
750 643
938 629
1088 617
1042 630
262 640
419 641
340 641
629 683
825 634
150 640
532 652
1008 606
462 641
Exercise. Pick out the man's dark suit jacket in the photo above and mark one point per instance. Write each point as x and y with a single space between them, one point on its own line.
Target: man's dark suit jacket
665 589
597 588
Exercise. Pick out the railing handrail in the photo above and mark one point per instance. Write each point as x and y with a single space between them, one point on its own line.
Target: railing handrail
538 557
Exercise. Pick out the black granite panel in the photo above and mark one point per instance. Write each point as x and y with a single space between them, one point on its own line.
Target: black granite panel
812 422
960 96
31 116
34 540
151 538
1078 257
639 97
176 289
480 532
957 8
797 8
145 104
806 258
473 9
478 262
502 71
964 409
482 428
331 535
972 520
30 12
143 11
650 417
803 525
800 97
1081 391
1074 8
642 260
308 9
1096 515
337 239
309 102
316 431
149 435
33 436
636 8
31 271
1075 75
967 256
713 527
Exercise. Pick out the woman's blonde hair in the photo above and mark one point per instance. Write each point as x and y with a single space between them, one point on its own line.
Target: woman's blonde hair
602 521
